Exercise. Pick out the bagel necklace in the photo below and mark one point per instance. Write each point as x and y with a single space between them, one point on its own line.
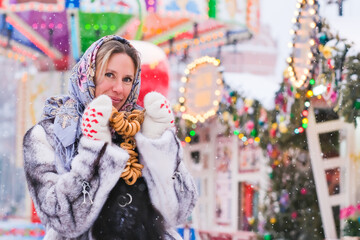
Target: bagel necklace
127 124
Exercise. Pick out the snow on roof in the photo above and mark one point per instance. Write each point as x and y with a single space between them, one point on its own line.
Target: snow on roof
261 88
345 26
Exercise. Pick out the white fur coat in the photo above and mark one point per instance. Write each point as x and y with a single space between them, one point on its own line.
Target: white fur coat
68 212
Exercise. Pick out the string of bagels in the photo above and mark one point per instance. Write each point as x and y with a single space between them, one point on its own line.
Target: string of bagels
127 124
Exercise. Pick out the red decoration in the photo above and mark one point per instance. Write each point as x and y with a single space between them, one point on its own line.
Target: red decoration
330 63
284 107
154 78
303 191
249 195
34 217
305 113
236 123
33 233
328 87
272 133
294 215
250 125
154 69
60 64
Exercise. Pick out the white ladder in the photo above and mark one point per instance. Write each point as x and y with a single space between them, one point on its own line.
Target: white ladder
319 167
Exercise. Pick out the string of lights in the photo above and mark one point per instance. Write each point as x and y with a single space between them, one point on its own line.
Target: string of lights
303 45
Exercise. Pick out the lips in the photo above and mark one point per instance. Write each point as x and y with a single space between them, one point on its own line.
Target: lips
115 99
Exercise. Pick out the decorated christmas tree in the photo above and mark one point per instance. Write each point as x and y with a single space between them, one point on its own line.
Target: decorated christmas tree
291 208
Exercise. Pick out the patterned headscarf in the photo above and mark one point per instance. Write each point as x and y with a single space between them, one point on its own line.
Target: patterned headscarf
67 110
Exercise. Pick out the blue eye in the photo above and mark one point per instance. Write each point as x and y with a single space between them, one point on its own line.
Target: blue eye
109 75
127 80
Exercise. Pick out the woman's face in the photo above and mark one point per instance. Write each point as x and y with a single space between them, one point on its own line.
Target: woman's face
116 80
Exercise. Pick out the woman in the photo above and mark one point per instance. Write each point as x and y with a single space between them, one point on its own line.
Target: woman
73 160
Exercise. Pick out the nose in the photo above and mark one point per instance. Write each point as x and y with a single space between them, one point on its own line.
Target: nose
118 86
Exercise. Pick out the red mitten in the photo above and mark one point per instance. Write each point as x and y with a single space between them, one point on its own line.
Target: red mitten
95 120
158 115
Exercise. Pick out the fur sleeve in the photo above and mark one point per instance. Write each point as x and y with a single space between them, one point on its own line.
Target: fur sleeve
60 199
172 188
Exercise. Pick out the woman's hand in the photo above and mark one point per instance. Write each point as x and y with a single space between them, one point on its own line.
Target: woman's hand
158 115
95 120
